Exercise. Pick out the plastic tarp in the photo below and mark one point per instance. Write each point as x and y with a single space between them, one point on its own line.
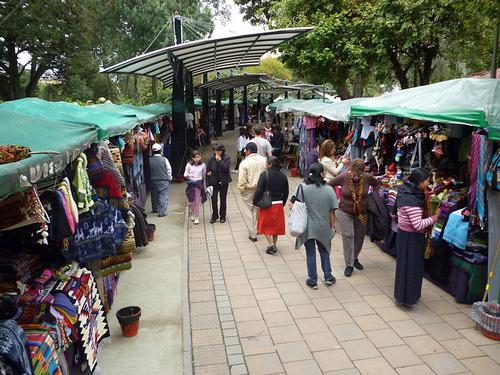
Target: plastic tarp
468 101
158 108
124 110
336 111
66 140
276 106
109 123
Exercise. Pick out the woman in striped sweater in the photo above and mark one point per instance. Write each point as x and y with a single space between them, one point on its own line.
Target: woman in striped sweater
410 241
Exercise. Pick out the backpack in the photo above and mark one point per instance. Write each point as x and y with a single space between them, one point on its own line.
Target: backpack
493 172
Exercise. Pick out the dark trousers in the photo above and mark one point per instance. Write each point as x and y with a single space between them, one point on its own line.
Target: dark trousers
222 191
324 256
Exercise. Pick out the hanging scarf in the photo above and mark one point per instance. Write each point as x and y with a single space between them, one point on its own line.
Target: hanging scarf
475 149
481 177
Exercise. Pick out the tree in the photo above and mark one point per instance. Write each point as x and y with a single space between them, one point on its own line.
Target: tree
356 43
273 68
45 33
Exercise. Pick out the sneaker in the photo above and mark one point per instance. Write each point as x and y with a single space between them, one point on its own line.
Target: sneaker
192 218
348 271
311 285
196 221
358 265
330 281
222 220
213 221
252 239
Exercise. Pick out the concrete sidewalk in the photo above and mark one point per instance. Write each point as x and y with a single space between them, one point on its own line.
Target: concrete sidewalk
154 284
252 313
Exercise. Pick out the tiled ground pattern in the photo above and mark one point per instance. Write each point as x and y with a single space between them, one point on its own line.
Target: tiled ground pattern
252 313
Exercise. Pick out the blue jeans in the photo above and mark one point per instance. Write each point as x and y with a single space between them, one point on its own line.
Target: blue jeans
159 196
310 246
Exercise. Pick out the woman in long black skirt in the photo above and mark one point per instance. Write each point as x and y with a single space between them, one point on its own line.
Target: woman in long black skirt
410 242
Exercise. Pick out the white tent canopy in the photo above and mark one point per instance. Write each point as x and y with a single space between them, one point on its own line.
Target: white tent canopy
207 55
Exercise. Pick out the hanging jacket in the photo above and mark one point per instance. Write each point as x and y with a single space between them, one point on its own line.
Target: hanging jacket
377 224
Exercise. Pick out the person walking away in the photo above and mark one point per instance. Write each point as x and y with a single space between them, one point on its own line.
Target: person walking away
277 141
218 177
161 175
264 148
248 176
195 174
321 204
241 142
354 186
271 220
410 241
327 158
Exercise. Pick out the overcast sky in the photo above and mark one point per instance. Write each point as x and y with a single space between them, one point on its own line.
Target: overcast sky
235 25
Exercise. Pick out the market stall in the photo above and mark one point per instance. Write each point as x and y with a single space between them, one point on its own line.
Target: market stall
450 128
68 226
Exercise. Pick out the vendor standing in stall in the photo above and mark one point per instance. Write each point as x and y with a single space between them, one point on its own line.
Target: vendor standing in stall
352 211
410 242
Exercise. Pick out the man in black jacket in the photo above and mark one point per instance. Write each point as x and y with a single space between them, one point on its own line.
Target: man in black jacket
219 177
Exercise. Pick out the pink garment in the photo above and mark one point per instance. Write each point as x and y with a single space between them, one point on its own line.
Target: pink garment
195 172
196 203
310 122
410 219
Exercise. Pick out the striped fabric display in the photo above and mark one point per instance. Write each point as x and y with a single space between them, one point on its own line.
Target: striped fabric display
475 149
481 178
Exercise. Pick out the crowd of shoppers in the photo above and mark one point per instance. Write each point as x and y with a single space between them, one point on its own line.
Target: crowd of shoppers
334 190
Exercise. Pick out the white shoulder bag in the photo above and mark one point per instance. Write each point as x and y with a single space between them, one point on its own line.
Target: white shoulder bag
297 221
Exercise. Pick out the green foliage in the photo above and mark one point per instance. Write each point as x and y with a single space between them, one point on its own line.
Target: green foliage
370 45
73 39
273 68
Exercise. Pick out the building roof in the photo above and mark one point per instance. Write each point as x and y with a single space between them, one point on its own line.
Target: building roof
207 55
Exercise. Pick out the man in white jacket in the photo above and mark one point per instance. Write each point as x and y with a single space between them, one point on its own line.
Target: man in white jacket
248 176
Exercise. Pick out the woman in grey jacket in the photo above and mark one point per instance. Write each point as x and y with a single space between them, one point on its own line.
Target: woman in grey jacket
321 204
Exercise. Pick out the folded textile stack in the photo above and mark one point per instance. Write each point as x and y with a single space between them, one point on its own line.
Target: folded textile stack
21 266
42 350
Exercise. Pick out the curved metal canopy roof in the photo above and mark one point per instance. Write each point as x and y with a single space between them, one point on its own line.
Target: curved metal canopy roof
207 55
235 81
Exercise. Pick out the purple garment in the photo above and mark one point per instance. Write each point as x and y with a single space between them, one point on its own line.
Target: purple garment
191 191
312 157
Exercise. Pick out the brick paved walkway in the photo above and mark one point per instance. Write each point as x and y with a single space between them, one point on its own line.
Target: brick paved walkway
252 313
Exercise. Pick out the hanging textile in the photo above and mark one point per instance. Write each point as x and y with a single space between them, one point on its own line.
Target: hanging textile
475 150
98 234
14 347
92 323
481 178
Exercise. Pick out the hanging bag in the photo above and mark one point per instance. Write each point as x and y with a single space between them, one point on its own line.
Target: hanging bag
297 221
266 200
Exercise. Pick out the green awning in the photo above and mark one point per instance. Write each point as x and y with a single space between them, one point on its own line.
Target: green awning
336 111
276 106
158 108
108 122
467 101
124 110
40 135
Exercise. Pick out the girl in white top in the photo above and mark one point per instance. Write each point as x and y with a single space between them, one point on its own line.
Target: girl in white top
195 174
331 166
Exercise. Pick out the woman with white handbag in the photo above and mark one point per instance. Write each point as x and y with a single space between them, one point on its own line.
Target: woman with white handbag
314 226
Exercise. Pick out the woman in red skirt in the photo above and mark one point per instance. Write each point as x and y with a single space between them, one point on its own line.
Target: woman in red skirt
271 220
